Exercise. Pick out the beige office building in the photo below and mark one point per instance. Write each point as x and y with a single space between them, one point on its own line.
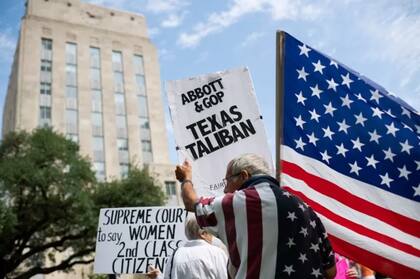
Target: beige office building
92 73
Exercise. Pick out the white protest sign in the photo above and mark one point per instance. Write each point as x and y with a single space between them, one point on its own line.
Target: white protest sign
215 118
132 238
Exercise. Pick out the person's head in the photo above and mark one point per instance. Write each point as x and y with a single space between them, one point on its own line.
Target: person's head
243 167
193 230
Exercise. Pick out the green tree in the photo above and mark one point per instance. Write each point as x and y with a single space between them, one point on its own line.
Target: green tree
50 201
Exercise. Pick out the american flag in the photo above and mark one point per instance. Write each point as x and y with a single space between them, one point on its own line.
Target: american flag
350 150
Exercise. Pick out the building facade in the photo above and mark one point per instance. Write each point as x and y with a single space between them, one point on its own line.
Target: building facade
92 74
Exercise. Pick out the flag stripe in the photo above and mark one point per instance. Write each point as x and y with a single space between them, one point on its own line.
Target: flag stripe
372 245
227 204
281 232
270 233
356 227
332 190
253 210
373 261
349 213
377 196
241 221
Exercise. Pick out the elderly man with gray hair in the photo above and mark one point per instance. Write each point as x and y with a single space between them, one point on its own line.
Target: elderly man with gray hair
269 232
197 258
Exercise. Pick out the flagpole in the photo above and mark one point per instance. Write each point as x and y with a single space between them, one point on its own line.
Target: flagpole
279 96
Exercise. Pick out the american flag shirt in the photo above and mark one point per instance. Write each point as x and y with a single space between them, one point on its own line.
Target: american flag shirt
350 150
269 232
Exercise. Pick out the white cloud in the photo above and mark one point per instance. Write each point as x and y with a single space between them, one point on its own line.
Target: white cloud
251 38
166 6
173 20
118 4
153 31
395 39
279 10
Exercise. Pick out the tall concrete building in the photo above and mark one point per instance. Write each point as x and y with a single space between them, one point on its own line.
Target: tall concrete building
92 74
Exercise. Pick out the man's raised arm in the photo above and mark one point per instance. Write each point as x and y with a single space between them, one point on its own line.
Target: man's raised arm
184 175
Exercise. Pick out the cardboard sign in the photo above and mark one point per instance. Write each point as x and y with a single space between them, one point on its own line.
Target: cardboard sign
132 238
216 118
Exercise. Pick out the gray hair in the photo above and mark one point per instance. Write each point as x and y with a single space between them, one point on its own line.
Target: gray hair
252 163
192 229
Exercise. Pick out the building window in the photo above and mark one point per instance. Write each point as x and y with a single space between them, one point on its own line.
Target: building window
144 129
46 68
71 97
123 150
138 65
45 116
118 82
147 151
71 113
97 124
46 49
142 105
45 88
71 79
45 97
95 78
71 121
71 55
73 137
124 167
117 65
98 149
95 58
121 127
170 188
97 121
119 99
119 104
143 109
99 168
122 144
141 87
96 101
45 83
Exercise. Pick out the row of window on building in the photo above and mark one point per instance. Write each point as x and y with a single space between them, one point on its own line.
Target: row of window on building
71 104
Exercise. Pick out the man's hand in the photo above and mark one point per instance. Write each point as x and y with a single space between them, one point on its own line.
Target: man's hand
153 272
184 174
352 273
184 171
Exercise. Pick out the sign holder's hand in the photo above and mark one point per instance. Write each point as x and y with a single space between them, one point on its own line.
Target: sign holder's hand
183 172
153 272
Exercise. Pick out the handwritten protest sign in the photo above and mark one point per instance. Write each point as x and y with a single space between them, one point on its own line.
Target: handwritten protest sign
216 118
132 238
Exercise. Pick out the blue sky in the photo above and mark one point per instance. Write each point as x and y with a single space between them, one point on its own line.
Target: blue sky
378 38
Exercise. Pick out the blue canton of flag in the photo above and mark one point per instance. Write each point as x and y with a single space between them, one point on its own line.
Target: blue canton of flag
351 150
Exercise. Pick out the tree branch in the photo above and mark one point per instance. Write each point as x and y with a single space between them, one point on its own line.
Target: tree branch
65 264
53 244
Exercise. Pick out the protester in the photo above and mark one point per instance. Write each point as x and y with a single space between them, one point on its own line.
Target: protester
346 269
367 273
196 259
268 231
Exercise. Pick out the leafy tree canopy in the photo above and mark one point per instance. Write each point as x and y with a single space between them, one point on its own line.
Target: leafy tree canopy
50 201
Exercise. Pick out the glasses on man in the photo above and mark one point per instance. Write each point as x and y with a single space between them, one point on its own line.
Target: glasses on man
227 179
